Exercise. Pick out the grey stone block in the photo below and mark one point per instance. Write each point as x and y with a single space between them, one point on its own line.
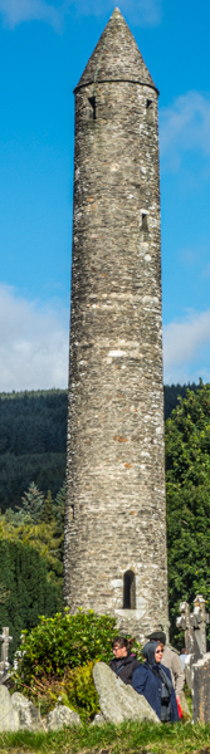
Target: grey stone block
60 716
98 720
28 714
201 695
9 718
119 702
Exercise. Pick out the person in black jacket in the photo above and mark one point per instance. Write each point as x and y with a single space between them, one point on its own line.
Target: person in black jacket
124 661
153 680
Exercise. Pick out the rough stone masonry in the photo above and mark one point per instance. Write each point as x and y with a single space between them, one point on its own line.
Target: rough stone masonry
115 534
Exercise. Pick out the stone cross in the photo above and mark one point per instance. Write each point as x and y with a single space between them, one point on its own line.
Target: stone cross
194 626
197 666
4 664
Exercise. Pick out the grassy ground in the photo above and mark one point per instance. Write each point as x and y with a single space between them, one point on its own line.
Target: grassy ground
129 738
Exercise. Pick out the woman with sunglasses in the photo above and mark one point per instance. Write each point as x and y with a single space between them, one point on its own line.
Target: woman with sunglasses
153 680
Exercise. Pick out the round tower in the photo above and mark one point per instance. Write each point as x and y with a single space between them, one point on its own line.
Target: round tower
115 533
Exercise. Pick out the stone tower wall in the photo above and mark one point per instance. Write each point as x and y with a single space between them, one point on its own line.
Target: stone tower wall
115 520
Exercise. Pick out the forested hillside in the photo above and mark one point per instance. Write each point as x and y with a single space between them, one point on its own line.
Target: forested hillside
33 440
32 443
171 394
32 499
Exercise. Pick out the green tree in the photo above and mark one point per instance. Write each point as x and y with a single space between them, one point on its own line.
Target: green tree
40 524
26 592
46 513
188 498
32 503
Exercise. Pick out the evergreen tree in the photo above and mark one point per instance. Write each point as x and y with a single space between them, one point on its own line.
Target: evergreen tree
32 503
188 499
27 592
47 511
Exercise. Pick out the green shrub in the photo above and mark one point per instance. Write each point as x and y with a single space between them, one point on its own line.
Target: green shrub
75 689
66 641
79 691
57 656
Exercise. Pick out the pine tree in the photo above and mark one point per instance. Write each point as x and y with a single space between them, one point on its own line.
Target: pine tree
27 591
188 499
47 511
32 503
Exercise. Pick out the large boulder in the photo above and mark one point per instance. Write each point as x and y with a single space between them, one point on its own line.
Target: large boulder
60 716
118 701
9 718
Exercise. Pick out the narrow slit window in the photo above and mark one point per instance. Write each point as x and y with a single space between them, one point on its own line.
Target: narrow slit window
92 101
144 222
129 591
149 111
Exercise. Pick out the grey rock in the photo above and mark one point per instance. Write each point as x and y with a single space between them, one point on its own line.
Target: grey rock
28 714
60 716
201 686
119 702
98 720
184 706
9 718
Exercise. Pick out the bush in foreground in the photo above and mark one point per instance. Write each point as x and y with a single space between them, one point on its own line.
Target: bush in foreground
56 658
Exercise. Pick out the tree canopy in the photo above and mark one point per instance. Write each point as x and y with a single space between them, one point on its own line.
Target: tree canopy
188 498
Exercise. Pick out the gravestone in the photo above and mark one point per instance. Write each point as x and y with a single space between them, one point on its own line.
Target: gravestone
201 690
197 666
118 701
4 664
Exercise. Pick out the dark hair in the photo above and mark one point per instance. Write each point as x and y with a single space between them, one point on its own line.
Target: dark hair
157 636
121 642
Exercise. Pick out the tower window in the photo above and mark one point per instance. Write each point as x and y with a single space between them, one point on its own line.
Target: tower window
144 222
149 111
92 101
129 591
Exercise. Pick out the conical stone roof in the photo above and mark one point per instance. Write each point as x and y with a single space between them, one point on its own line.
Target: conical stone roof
116 56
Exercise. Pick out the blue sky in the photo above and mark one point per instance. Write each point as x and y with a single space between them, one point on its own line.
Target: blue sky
44 47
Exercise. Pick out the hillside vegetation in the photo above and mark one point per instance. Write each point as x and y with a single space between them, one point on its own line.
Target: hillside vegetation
33 440
32 500
32 443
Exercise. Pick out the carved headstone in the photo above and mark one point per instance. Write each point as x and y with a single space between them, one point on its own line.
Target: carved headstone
9 717
197 666
4 664
201 695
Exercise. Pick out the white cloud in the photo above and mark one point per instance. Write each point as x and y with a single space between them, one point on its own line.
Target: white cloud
187 345
15 12
33 344
140 12
184 126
